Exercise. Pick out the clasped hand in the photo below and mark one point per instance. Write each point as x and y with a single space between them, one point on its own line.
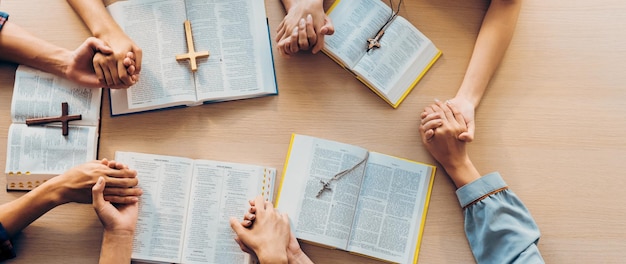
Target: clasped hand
75 184
304 28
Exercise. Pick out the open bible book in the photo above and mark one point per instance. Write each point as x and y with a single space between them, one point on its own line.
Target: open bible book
391 71
38 153
235 32
186 205
376 205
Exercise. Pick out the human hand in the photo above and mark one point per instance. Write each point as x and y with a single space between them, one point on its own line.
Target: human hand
120 218
75 184
105 76
268 237
466 108
79 66
440 129
114 70
304 27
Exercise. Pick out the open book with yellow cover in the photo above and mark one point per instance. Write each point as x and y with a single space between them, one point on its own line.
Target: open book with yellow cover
373 205
391 71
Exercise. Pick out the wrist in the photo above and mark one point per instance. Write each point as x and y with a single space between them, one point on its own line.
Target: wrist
289 4
118 235
461 172
116 247
297 257
52 192
272 256
466 99
53 59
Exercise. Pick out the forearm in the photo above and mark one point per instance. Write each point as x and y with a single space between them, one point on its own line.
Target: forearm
461 172
18 214
299 258
97 18
117 247
290 3
491 44
19 46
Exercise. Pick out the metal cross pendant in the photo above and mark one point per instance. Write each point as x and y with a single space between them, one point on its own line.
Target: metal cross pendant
65 119
325 186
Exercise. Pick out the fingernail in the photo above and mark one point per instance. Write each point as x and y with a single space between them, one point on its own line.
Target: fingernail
309 18
302 22
295 30
437 100
448 102
252 217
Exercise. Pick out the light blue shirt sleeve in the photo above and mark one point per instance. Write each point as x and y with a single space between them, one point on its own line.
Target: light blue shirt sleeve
498 226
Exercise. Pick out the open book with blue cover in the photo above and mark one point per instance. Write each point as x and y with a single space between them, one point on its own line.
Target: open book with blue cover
235 33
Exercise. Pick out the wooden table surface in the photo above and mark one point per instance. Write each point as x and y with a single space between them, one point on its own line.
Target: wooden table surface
552 122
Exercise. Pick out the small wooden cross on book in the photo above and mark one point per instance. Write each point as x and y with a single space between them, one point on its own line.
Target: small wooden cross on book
65 119
374 42
191 54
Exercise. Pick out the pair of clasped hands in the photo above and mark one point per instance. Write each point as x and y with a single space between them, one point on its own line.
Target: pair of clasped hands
114 64
303 28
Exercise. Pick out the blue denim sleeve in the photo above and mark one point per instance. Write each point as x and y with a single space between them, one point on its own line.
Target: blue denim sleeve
498 226
3 19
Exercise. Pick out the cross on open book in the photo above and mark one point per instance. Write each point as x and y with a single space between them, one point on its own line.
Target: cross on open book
65 119
326 184
191 54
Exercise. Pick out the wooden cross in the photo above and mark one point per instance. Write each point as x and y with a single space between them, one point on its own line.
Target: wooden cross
373 42
65 119
191 54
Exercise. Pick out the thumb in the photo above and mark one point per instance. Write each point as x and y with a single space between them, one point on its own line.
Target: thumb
99 45
468 136
328 28
97 193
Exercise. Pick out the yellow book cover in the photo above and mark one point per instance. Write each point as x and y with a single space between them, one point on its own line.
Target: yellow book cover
346 197
391 70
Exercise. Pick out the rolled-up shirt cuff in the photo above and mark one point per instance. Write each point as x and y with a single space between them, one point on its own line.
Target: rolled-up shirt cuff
481 188
3 18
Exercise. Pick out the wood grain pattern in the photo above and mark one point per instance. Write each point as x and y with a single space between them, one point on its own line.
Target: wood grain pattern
552 122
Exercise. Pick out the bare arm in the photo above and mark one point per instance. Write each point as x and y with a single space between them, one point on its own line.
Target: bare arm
96 17
492 42
104 27
19 46
71 186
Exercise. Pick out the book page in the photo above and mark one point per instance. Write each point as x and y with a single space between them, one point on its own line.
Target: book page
165 182
156 26
44 150
391 208
355 22
328 219
235 32
393 68
221 190
38 94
